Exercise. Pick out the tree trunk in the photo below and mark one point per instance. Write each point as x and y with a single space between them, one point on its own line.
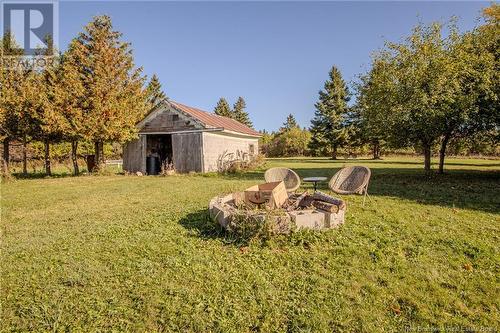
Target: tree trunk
442 153
427 158
102 153
99 154
376 150
96 155
5 156
334 153
25 158
48 170
74 157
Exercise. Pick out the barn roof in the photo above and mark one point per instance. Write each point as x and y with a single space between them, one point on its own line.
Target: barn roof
215 121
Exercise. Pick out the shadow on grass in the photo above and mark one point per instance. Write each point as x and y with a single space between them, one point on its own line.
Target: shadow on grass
41 175
200 223
356 161
468 189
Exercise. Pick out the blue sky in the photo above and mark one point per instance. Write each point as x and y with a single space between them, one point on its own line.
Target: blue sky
276 55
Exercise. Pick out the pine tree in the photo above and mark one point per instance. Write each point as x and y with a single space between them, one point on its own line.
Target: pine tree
289 123
115 99
223 108
329 128
240 114
155 94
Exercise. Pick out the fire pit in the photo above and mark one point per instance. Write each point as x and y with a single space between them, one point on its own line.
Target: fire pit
285 212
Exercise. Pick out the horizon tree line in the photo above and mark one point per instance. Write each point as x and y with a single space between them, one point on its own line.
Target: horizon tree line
428 90
93 92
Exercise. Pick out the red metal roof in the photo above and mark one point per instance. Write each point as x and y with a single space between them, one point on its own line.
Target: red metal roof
215 121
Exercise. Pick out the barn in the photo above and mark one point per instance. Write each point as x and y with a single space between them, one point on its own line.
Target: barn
189 139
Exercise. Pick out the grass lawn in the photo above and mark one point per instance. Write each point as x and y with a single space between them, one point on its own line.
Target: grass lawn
127 253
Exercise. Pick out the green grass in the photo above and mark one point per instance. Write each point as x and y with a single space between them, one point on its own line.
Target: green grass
126 253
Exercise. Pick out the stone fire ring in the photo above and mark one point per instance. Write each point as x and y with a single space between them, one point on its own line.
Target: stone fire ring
222 209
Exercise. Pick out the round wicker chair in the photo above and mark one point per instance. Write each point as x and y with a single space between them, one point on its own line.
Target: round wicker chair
289 177
351 180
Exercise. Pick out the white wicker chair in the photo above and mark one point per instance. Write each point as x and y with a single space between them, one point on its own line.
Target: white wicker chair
351 180
289 177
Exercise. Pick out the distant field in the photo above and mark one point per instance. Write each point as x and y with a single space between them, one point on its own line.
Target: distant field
127 253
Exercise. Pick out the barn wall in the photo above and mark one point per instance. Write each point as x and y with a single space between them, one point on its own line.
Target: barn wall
187 154
219 147
169 121
134 158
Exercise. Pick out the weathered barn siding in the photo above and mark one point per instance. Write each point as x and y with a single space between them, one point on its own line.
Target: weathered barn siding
134 158
187 152
200 141
223 146
169 121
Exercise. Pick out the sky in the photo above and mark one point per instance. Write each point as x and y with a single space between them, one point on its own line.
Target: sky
276 55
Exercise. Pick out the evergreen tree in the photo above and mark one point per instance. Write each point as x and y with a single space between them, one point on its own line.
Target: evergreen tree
114 97
329 126
19 99
49 121
155 94
240 114
11 101
223 108
72 102
289 123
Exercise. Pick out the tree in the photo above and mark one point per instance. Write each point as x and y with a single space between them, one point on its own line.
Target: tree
48 119
432 88
72 103
240 114
265 142
11 103
25 107
289 123
329 127
223 109
417 86
154 92
19 90
373 105
475 111
293 142
115 99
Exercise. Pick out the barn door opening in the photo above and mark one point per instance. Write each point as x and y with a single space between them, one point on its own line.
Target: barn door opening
158 152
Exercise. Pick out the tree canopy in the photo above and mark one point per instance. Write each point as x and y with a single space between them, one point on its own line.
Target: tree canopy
329 125
223 109
239 113
114 94
154 93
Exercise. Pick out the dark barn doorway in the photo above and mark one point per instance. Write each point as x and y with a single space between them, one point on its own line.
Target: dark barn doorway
158 152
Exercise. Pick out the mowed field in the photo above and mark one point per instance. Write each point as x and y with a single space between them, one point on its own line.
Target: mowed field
127 253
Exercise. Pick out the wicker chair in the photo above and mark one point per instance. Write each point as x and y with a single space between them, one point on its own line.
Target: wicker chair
351 180
289 177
